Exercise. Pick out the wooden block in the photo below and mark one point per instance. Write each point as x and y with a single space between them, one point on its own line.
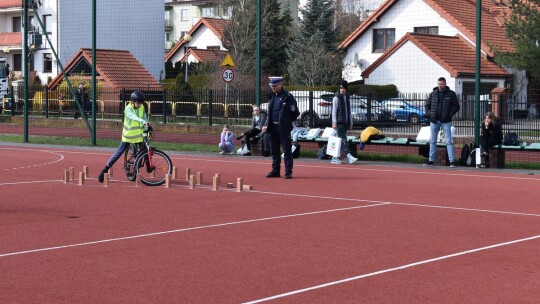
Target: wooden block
239 184
66 176
110 172
174 173
230 185
138 180
188 173
248 187
168 180
85 170
215 183
81 178
71 173
192 182
106 180
199 178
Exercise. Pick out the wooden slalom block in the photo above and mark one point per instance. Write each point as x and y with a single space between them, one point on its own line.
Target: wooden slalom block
230 185
106 180
239 184
110 171
168 180
199 178
192 182
247 187
81 178
71 173
188 174
174 173
66 176
215 183
138 180
85 170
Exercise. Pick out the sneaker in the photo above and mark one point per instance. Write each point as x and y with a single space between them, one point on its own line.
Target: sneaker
352 159
101 176
221 153
452 165
336 161
429 163
231 153
287 176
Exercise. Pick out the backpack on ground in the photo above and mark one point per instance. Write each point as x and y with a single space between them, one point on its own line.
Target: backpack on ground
321 154
468 155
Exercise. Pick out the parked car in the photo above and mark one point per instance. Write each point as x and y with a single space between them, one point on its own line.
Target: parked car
406 110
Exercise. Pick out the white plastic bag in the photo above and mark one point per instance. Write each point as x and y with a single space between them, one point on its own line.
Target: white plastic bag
333 148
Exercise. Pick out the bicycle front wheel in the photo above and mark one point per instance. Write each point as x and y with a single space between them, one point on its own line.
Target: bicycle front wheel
153 167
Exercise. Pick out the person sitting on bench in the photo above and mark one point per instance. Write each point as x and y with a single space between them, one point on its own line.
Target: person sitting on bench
491 133
257 122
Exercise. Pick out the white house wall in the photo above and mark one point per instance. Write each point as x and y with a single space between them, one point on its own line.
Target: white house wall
404 16
202 39
411 70
135 25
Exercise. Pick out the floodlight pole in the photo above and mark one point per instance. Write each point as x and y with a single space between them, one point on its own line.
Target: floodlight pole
94 92
258 55
25 68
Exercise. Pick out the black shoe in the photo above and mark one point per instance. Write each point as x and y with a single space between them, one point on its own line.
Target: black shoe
429 163
101 176
247 154
287 176
273 174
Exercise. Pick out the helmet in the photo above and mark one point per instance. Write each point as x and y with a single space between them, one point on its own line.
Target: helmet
137 96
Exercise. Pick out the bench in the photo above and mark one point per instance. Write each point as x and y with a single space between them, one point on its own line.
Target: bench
497 155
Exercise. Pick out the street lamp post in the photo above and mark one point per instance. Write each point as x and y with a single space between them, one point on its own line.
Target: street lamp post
187 39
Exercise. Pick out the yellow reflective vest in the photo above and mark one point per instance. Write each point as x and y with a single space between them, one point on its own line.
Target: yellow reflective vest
134 121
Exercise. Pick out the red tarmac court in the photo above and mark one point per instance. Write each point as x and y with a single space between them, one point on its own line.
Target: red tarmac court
362 233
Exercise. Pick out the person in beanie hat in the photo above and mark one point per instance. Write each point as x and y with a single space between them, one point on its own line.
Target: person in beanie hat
342 121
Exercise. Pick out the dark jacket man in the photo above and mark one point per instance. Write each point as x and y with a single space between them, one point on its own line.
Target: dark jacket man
442 105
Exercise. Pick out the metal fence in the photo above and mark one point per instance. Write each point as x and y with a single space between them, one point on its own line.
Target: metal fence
402 116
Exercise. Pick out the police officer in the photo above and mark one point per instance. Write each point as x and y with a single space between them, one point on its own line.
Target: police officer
282 112
135 122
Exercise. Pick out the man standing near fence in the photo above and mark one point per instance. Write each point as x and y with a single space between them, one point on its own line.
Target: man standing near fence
441 105
342 120
282 112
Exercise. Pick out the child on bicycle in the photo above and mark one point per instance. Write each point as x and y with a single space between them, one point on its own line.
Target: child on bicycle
135 122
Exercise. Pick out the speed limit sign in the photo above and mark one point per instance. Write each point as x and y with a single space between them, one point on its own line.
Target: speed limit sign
228 75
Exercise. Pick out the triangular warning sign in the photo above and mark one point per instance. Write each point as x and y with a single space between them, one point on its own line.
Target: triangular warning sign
227 62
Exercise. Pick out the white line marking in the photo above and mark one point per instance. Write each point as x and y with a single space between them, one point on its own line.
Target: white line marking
31 182
36 165
186 229
391 269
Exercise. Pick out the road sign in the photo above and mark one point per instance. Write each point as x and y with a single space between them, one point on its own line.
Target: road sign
228 75
227 62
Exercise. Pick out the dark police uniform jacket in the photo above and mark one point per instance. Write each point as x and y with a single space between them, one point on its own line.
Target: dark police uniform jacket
287 114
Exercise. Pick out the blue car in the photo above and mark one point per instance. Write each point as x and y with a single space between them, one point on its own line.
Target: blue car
406 110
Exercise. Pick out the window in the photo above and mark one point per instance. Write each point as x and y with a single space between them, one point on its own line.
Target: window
167 37
184 15
47 63
207 12
431 30
17 62
227 11
47 22
16 24
383 39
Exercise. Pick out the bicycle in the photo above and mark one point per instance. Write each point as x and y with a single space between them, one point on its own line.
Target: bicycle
152 164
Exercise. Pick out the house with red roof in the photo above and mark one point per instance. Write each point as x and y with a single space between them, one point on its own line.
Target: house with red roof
411 43
203 45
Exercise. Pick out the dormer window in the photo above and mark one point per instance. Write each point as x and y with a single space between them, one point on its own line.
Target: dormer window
430 30
383 39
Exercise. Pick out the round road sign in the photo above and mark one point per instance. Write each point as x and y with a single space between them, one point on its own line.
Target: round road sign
228 75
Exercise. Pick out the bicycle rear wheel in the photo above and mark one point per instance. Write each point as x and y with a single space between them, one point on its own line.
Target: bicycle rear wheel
153 170
129 161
